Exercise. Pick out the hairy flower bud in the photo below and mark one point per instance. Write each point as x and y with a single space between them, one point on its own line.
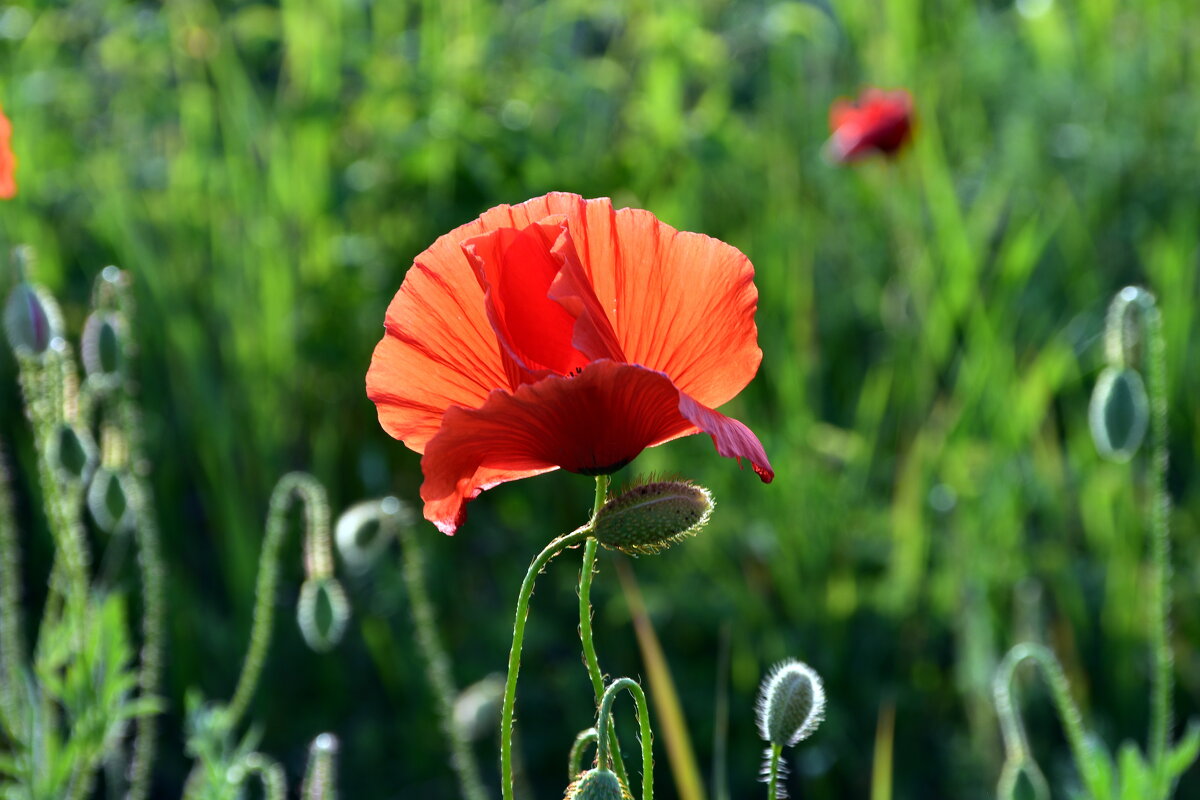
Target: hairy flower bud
72 453
108 501
1119 413
597 784
31 319
791 703
650 517
100 345
322 613
365 529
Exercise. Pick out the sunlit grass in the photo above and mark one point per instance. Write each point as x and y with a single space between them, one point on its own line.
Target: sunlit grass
930 329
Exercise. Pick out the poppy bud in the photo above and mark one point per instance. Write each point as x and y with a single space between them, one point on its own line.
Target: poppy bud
365 529
322 613
791 703
1119 413
320 776
71 452
108 502
651 517
31 320
100 345
597 784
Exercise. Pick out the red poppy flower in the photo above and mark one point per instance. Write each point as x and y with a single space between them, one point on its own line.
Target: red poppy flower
879 122
561 333
8 162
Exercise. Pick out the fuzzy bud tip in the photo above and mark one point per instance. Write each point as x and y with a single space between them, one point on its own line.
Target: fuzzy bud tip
791 703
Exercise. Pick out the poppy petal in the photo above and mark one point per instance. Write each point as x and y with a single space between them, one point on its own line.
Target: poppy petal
515 268
593 422
439 348
680 303
572 289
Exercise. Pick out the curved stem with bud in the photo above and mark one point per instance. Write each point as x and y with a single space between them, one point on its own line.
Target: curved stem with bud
573 539
605 733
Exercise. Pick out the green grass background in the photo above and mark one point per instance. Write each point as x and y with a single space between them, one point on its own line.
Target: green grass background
930 327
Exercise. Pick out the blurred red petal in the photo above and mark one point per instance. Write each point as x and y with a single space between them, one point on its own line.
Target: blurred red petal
8 161
879 122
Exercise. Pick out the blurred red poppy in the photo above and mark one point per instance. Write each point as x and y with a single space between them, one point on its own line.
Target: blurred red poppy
562 333
8 162
880 122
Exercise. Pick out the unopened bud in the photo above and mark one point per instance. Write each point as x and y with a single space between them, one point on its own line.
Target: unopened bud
100 345
71 452
108 502
791 703
651 517
597 784
322 613
31 319
1119 413
365 529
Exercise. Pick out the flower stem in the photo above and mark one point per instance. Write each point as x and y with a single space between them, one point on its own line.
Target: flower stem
575 761
1133 312
1017 755
604 728
437 666
1162 687
555 547
773 772
312 494
586 573
12 643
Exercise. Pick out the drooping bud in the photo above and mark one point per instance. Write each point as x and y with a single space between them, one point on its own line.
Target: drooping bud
31 320
597 784
108 501
791 703
322 613
100 345
650 517
71 452
1119 413
365 529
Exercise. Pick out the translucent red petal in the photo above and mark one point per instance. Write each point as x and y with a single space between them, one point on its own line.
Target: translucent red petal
594 422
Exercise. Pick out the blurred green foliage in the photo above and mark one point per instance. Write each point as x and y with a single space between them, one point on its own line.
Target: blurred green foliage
930 331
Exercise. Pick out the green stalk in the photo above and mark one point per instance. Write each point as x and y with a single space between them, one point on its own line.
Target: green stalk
12 644
773 772
1162 685
575 760
604 729
555 547
586 573
316 517
1018 756
437 668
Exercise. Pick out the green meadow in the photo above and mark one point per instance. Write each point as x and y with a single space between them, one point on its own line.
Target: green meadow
932 327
